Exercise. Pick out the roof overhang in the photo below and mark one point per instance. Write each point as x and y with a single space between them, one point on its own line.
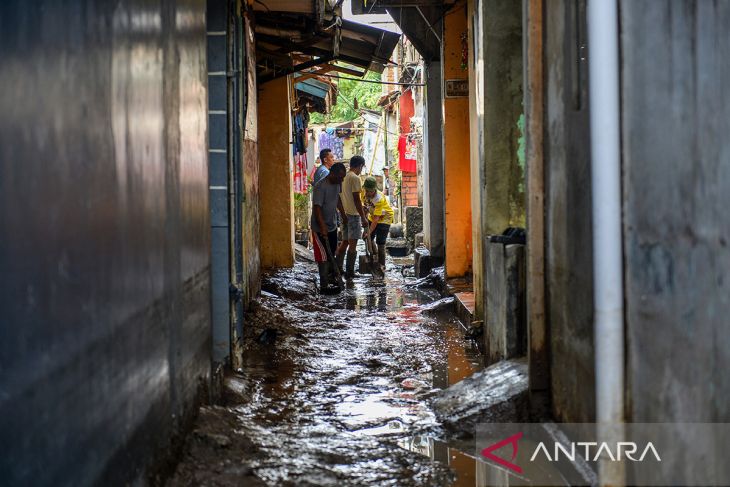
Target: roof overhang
319 94
289 41
420 20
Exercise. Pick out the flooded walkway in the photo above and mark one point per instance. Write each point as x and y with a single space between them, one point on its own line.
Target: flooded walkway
335 390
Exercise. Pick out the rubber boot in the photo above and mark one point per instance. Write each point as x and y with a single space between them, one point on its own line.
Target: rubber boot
340 258
381 255
350 270
324 278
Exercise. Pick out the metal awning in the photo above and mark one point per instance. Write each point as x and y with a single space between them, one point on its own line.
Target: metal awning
313 87
420 20
319 94
289 41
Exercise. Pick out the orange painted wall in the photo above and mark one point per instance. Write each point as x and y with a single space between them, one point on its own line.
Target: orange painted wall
276 199
457 170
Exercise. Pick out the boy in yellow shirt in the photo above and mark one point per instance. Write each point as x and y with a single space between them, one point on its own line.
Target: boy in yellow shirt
379 214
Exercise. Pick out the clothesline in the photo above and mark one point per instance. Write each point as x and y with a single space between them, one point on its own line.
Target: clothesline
363 128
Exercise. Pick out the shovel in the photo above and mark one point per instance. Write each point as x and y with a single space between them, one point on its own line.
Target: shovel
331 258
375 268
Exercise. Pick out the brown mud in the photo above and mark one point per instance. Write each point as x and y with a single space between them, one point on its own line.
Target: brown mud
336 390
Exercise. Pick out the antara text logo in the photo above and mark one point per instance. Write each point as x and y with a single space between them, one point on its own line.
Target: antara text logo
589 450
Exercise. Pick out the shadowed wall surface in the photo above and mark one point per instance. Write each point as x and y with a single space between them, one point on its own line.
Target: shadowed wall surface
676 159
105 335
568 231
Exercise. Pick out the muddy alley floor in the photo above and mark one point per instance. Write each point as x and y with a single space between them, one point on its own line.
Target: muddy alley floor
335 390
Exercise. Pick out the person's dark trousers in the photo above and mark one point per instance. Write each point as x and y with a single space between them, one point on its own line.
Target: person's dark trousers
332 239
379 236
327 268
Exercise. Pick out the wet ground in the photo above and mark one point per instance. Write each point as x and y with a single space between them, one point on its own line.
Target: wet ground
336 390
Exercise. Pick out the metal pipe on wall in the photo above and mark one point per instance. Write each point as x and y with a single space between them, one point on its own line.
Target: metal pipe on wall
607 239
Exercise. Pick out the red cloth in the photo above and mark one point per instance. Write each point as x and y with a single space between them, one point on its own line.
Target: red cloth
407 110
301 184
407 152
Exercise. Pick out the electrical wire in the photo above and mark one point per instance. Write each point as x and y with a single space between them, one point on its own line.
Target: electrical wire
263 5
372 81
351 105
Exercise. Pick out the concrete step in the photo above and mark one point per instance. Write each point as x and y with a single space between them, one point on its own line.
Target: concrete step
497 394
464 307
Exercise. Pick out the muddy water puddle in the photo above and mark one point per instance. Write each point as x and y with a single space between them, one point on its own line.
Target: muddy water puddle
341 395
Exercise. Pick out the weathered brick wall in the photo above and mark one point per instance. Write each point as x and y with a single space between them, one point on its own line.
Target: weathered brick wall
409 189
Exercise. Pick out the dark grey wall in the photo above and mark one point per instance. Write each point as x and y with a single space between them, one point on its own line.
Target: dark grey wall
104 225
568 252
433 175
676 163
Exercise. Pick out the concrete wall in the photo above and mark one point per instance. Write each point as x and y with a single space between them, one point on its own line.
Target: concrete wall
276 202
505 335
251 224
457 179
676 168
433 174
568 246
104 297
495 82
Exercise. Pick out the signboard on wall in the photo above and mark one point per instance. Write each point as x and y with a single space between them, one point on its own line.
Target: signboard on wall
457 88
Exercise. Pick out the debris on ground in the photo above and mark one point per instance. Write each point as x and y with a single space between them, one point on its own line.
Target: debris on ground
434 279
442 305
497 394
211 452
303 254
397 247
268 336
475 330
297 283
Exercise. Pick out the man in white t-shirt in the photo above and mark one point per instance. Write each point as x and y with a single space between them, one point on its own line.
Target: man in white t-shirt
354 219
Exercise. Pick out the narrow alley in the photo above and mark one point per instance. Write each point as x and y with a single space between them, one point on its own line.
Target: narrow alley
336 390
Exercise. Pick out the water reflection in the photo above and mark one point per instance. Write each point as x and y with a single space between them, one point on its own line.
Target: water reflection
473 471
371 295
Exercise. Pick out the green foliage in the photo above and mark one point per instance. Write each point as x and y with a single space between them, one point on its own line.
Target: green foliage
301 211
301 201
366 94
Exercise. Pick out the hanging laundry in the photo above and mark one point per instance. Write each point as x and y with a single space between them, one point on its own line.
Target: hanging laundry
300 132
328 140
301 121
301 182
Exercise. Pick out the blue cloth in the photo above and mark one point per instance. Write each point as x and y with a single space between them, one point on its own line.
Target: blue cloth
300 133
320 174
332 142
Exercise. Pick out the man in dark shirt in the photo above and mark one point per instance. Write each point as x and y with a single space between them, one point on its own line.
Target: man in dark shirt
325 203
